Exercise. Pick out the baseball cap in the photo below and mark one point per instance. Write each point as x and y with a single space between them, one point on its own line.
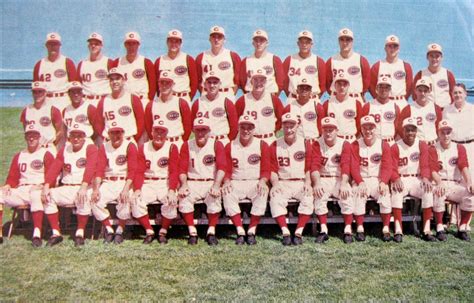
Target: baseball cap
95 36
201 122
115 71
217 30
392 39
53 37
341 77
303 81
39 85
159 124
329 121
132 36
409 121
260 33
423 81
246 119
367 120
385 80
443 124
345 32
174 33
77 127
32 128
115 128
289 117
259 73
74 85
305 34
434 47
212 74
165 75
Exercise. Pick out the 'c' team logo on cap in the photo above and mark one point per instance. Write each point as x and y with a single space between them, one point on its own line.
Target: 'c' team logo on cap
389 116
36 164
173 115
174 33
131 36
45 121
267 111
138 73
60 73
430 117
80 118
180 70
163 162
224 65
336 159
81 162
218 112
299 156
376 158
344 31
268 69
208 160
414 157
121 160
399 75
310 69
101 74
353 70
310 116
326 120
442 83
453 161
349 113
124 110
253 159
52 36
216 29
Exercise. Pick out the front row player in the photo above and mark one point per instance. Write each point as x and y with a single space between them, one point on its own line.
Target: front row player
201 172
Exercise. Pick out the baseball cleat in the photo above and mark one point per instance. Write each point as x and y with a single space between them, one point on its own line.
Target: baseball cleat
398 238
162 239
36 242
386 237
109 238
240 240
54 240
1 240
251 240
148 239
321 238
441 236
428 238
78 241
297 240
212 240
193 240
463 235
118 239
286 241
347 238
360 237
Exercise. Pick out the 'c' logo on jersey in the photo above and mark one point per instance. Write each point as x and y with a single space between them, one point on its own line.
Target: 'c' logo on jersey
267 111
208 160
121 160
101 74
268 69
349 114
218 112
138 73
453 161
163 162
399 75
389 116
224 65
430 117
353 70
310 69
173 115
414 157
442 83
336 159
376 158
180 70
60 73
45 121
124 110
81 163
80 118
299 156
310 116
37 164
253 159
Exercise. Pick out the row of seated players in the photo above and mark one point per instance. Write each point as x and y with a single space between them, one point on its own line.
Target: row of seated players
203 169
189 74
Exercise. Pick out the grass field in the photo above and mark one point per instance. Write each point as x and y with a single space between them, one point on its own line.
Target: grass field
370 271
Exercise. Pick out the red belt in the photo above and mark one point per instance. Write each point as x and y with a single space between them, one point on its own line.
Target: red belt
328 176
219 137
293 179
296 96
464 142
93 97
264 136
450 180
201 179
27 184
224 89
174 139
397 97
50 95
346 136
114 178
70 184
182 94
156 178
410 175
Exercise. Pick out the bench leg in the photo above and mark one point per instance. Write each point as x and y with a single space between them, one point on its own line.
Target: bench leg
10 229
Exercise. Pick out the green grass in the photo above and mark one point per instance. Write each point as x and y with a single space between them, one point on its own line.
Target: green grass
375 271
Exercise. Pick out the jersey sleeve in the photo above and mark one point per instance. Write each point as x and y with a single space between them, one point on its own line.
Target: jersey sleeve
320 115
462 157
395 158
240 106
434 164
48 162
374 76
101 162
286 68
131 161
321 75
13 178
408 80
316 166
148 119
236 61
365 74
173 163
193 75
221 161
278 107
139 116
53 172
184 159
228 155
386 165
185 118
273 158
452 84
23 117
243 75
424 162
91 163
141 168
329 76
151 76
417 77
100 122
232 119
265 167
92 116
279 74
157 75
355 163
72 74
312 159
346 157
36 76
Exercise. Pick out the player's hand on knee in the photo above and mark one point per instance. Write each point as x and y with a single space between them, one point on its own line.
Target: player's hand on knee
344 190
470 188
172 198
426 185
124 196
276 190
6 190
45 195
383 189
318 190
362 190
95 196
136 196
81 196
262 188
397 185
183 191
440 190
226 187
214 191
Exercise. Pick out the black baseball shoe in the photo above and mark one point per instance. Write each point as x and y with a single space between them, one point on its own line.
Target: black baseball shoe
1 240
463 235
251 240
360 237
79 241
109 237
118 239
398 238
286 241
441 236
428 238
240 240
54 240
211 240
193 240
386 237
162 239
36 242
322 237
347 238
148 239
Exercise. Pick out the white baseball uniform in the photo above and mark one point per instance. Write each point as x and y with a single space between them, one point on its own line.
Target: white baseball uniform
84 114
356 68
443 82
312 68
310 115
347 114
427 118
386 118
93 76
45 118
273 67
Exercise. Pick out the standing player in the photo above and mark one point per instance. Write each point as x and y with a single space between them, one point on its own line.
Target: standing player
411 176
266 109
307 109
305 64
156 180
181 67
93 70
248 172
426 114
332 179
442 79
453 181
352 64
116 167
45 116
371 172
225 63
201 172
398 70
76 163
138 71
218 109
56 70
262 59
385 111
344 108
173 111
27 173
292 160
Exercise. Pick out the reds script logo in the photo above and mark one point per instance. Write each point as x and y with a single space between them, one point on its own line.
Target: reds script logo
45 121
414 157
399 75
299 156
336 159
172 115
310 69
121 160
60 73
124 110
353 70
268 69
389 116
376 158
310 116
208 160
80 118
442 83
224 65
101 74
453 161
37 164
138 73
218 112
180 70
81 162
430 117
267 111
349 114
253 159
163 162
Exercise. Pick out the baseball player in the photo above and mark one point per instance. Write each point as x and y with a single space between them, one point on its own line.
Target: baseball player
305 64
25 177
79 112
384 110
371 173
352 64
201 172
344 108
307 109
56 70
172 110
138 71
450 171
427 114
292 159
181 67
156 180
76 163
248 172
93 70
266 109
218 109
45 116
116 167
331 180
411 176
398 70
262 59
120 109
225 63
442 79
